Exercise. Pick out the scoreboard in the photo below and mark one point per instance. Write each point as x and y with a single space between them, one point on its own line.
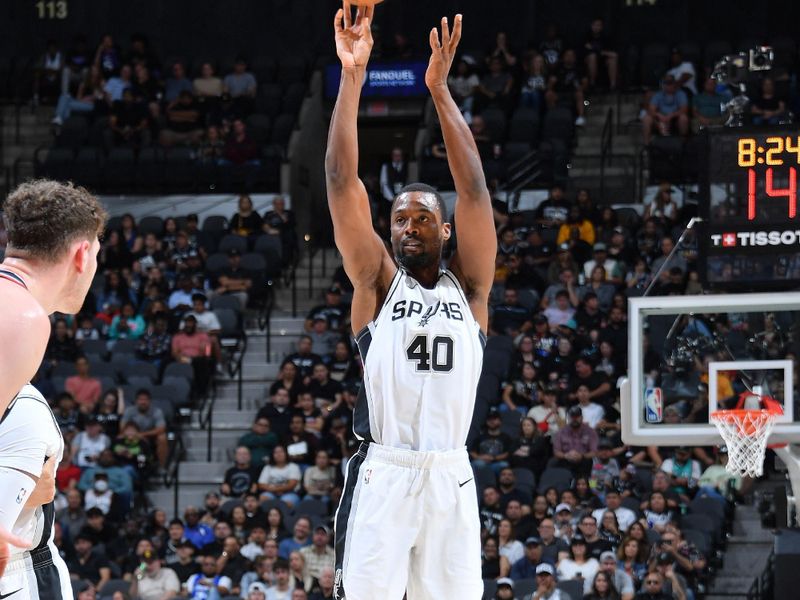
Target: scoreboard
750 234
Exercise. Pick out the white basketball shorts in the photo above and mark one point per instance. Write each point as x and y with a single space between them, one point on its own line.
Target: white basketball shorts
408 521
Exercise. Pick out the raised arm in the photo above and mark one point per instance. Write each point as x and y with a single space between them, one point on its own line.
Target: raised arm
474 259
362 251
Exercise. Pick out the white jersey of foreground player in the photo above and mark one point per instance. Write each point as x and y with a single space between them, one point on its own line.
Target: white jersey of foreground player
29 434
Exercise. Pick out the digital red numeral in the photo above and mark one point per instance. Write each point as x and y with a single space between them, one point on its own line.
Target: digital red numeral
789 192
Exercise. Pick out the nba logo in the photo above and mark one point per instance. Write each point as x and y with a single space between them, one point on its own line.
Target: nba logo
653 405
367 476
21 496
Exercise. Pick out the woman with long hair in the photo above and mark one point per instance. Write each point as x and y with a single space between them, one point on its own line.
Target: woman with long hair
551 495
344 367
532 448
130 234
522 391
280 480
657 515
585 495
609 528
507 544
276 530
603 588
288 380
239 522
299 579
524 352
632 559
114 253
540 510
493 566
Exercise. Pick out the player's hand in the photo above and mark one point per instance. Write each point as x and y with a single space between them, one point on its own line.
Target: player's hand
442 53
353 37
45 489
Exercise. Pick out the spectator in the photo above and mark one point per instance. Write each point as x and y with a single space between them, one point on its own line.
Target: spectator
199 585
552 546
61 347
595 544
67 473
260 441
280 479
505 589
129 122
525 567
549 417
531 449
91 96
304 359
320 479
127 325
597 48
108 57
300 444
246 222
663 208
151 581
652 589
462 86
184 124
767 107
47 73
87 564
117 84
325 393
278 413
102 497
242 477
534 82
546 584
568 80
575 446
240 84
147 91
154 346
280 590
667 111
683 72
560 312
99 529
253 512
276 531
281 221
508 546
208 85
88 444
150 421
131 450
233 280
200 534
232 564
632 560
579 565
576 221
325 580
240 149
195 348
177 84
494 566
625 516
495 87
72 517
333 311
300 539
657 515
83 387
511 318
323 340
683 471
707 105
603 588
492 446
211 149
319 555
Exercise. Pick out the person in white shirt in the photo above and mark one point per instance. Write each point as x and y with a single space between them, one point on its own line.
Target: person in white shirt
281 479
625 516
88 444
199 585
592 413
683 71
578 566
280 590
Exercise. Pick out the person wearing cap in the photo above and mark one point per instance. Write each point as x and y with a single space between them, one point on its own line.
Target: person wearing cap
667 111
334 311
546 584
493 445
319 554
199 585
151 581
323 339
575 445
717 482
623 582
579 565
605 467
505 589
88 444
510 317
233 280
257 591
186 565
673 585
525 567
563 521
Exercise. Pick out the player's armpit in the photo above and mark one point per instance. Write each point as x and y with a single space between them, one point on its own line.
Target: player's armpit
45 489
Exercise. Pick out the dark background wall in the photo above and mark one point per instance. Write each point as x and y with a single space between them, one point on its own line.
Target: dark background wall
225 27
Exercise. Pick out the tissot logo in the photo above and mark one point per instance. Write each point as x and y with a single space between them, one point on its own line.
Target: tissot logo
744 239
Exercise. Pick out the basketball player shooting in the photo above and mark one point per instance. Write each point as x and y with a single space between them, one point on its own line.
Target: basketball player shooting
408 518
49 265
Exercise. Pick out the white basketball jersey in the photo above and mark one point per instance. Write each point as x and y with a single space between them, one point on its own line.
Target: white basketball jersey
422 358
29 434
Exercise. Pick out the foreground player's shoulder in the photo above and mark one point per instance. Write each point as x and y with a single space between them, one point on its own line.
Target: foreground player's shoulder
24 321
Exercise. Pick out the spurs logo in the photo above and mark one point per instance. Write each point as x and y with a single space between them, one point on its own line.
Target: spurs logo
337 585
432 310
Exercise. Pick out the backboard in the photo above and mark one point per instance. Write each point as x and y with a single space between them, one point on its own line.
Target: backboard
691 355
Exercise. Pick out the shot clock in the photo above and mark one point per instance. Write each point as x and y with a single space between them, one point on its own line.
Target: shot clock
750 238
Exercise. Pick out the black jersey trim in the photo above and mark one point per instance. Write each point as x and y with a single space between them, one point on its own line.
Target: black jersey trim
361 421
393 286
347 506
11 276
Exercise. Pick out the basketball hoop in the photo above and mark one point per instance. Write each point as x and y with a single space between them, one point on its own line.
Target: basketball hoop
745 432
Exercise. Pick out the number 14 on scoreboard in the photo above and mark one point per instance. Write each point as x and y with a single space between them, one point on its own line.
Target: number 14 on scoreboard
789 192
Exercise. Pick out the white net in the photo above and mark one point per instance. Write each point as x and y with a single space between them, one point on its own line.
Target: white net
745 433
